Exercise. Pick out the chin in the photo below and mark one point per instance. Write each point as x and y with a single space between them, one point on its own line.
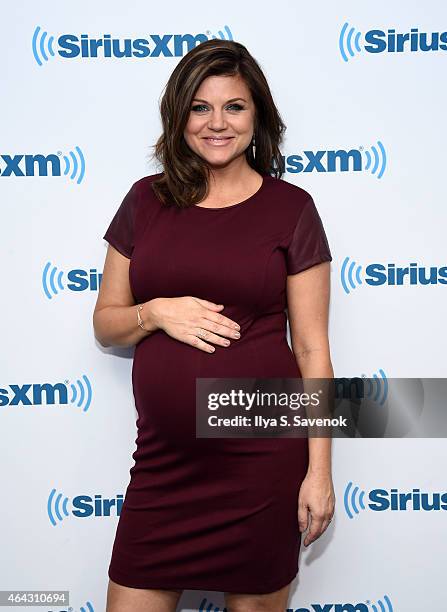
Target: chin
217 164
220 160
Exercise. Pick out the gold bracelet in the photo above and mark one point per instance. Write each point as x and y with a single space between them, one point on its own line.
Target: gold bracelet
140 322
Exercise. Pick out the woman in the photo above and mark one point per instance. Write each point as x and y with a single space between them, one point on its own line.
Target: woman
203 260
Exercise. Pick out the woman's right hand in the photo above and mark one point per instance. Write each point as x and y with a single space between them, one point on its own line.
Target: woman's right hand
183 318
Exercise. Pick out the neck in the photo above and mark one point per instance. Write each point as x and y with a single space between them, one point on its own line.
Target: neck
231 178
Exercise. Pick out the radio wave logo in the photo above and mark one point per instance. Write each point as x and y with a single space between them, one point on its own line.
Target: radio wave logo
376 160
81 393
77 280
353 500
48 393
349 42
380 606
67 46
210 607
52 280
43 45
377 388
227 35
37 164
57 507
74 165
350 275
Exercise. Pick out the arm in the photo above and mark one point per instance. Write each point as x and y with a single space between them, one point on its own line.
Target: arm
115 314
308 310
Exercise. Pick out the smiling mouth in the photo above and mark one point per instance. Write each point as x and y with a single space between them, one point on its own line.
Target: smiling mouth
217 140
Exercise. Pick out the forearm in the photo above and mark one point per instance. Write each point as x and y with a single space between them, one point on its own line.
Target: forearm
118 325
317 364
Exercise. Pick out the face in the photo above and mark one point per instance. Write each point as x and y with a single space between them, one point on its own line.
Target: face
221 120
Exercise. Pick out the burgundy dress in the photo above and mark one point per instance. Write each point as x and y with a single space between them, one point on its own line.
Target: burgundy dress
212 514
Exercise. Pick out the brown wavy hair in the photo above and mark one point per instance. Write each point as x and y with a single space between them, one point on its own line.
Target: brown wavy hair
184 180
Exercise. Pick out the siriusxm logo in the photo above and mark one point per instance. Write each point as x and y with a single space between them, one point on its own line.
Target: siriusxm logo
82 506
69 46
377 274
367 606
373 160
49 394
380 605
71 165
77 280
380 500
378 41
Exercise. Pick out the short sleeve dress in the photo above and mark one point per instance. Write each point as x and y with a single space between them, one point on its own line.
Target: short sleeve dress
212 514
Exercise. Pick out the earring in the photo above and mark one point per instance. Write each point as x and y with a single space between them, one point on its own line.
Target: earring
253 147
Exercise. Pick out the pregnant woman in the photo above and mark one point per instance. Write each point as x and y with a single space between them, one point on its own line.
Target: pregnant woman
204 259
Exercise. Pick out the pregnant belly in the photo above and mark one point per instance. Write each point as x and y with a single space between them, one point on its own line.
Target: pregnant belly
164 381
165 370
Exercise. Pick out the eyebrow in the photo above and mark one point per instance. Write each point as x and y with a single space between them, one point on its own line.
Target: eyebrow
231 100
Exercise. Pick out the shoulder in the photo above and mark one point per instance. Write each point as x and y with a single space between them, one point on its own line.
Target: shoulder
139 203
289 191
288 198
143 185
142 197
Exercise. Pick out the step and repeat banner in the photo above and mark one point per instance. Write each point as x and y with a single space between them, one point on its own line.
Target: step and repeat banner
362 89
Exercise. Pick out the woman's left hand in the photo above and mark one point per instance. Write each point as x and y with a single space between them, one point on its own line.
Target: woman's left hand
316 497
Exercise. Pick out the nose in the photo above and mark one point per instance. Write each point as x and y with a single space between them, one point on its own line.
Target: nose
217 120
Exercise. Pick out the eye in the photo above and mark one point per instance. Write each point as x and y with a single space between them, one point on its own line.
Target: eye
197 107
236 106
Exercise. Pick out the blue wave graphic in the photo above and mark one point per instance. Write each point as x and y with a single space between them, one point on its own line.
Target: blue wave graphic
376 161
349 42
51 280
350 275
85 393
377 387
75 165
352 499
220 34
380 607
41 46
56 506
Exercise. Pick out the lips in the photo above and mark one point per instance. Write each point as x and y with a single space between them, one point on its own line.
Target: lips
219 141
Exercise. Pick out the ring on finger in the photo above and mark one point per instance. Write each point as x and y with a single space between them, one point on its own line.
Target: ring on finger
201 333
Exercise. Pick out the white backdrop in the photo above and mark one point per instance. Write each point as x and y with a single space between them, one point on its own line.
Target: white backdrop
70 443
